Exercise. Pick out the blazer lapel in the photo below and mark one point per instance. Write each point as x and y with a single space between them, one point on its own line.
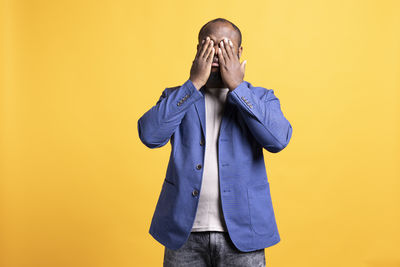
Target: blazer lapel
201 112
228 108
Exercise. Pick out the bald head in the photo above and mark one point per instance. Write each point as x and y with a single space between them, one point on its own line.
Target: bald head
223 26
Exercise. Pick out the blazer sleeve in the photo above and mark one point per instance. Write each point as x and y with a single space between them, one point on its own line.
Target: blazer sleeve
157 125
263 116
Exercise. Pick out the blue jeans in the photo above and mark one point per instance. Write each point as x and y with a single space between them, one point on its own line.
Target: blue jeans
211 248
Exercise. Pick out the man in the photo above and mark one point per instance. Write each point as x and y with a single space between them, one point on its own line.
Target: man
215 205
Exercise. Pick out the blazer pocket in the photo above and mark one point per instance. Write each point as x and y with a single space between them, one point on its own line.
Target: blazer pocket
262 216
168 181
166 200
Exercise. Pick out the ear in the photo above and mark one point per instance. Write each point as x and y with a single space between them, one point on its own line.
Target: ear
240 51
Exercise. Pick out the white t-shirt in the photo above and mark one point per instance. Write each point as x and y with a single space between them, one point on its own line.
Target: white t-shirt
209 215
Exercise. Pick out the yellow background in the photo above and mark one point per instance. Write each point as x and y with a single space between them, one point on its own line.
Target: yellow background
77 186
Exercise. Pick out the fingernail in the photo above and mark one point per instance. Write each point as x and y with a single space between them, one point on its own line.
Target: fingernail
230 42
219 49
208 38
222 43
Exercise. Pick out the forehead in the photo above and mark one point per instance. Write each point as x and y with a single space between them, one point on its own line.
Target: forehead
219 30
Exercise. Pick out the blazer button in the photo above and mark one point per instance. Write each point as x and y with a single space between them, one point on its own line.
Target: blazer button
198 166
195 193
202 142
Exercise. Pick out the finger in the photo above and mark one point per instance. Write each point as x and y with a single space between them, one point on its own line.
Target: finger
209 48
205 46
223 52
228 48
211 55
199 48
231 49
221 59
243 65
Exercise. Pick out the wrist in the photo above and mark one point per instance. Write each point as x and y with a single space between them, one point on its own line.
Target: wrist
234 86
196 84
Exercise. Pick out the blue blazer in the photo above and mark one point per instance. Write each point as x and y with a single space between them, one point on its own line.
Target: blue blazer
252 120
